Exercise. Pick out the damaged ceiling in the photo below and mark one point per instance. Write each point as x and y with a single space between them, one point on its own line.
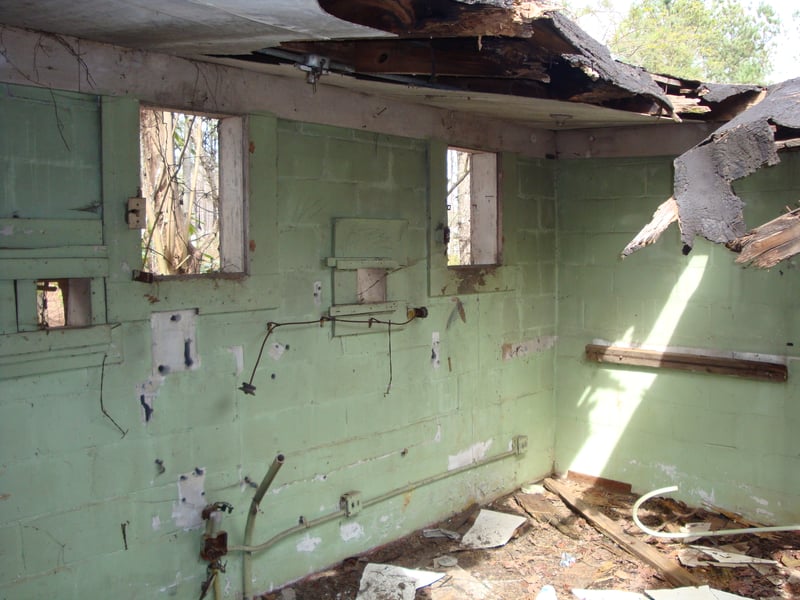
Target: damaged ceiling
517 60
520 60
704 202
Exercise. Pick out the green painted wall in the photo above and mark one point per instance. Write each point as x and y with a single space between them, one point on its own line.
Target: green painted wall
70 481
726 440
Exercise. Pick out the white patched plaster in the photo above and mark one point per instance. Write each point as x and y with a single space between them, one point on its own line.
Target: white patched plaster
308 544
238 357
317 293
466 457
438 437
174 341
187 511
351 531
156 523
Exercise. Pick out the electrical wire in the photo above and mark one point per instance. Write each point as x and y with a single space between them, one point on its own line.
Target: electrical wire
247 386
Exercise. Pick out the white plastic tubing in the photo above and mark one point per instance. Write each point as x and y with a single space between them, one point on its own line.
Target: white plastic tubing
683 535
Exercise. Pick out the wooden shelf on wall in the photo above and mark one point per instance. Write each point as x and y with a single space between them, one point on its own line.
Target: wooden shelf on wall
697 363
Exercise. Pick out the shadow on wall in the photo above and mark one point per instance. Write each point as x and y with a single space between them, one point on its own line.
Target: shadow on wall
724 440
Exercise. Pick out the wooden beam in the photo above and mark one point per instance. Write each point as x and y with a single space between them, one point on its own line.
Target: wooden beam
696 363
767 245
673 573
489 57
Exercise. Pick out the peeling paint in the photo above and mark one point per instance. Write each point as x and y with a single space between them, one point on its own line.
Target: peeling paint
770 516
471 455
317 293
435 359
351 531
308 544
438 437
156 523
522 349
186 512
670 470
238 357
276 350
146 393
7 230
708 497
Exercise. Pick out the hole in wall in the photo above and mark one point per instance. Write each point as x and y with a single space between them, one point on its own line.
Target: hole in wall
63 302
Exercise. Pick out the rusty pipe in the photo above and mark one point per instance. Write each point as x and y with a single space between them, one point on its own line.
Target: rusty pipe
247 567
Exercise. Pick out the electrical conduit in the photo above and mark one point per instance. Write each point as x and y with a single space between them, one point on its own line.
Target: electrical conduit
683 535
247 567
250 549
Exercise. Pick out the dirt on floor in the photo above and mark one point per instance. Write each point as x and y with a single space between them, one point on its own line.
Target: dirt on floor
559 547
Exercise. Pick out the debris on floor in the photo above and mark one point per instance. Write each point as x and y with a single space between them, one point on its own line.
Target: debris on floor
492 529
597 538
389 582
692 593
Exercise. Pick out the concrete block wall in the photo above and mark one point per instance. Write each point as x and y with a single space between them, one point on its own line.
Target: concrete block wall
721 439
88 510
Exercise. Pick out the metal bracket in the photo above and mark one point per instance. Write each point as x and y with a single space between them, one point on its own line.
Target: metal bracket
136 214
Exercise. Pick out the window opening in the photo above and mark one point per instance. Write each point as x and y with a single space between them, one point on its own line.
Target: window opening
63 303
192 180
472 208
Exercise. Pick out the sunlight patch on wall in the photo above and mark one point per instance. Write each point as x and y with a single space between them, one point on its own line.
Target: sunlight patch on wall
614 405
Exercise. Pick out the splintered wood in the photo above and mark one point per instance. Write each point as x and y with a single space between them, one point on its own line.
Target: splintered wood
671 571
767 245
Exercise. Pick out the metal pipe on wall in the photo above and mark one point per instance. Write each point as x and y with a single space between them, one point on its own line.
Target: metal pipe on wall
247 567
371 502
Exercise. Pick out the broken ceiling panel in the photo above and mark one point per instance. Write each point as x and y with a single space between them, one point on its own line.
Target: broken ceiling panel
508 47
716 102
703 192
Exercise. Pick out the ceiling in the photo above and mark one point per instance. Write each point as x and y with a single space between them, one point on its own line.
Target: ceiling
521 66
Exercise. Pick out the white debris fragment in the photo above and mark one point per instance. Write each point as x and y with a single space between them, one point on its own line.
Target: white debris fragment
388 582
492 529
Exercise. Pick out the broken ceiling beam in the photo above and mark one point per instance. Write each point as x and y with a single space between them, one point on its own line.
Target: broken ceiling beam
767 245
672 572
666 214
696 363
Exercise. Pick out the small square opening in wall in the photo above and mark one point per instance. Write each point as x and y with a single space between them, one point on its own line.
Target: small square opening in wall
192 177
371 285
472 208
63 302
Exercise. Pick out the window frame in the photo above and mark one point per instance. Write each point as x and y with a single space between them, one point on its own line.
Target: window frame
233 181
444 280
485 237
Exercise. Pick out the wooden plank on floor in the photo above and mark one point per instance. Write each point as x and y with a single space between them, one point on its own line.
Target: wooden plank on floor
672 572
